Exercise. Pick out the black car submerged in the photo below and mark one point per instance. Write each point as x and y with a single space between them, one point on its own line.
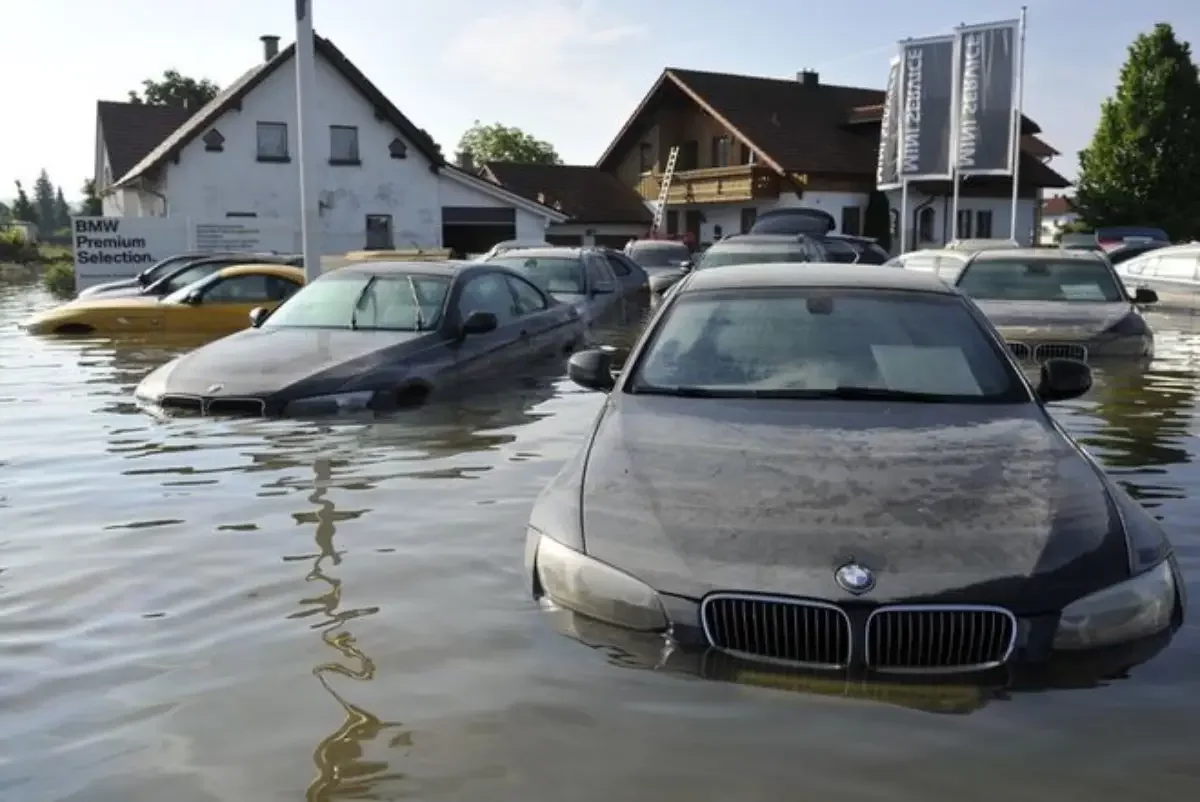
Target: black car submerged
372 336
841 467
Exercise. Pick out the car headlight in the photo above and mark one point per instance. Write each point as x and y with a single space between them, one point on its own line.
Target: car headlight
332 404
1136 608
594 589
1132 325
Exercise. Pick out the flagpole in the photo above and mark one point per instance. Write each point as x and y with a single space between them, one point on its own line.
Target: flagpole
1018 114
310 211
901 88
955 130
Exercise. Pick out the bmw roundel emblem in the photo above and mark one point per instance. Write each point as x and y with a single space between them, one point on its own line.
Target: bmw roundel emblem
216 388
854 578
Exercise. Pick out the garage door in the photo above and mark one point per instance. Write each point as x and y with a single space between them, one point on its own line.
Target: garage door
475 229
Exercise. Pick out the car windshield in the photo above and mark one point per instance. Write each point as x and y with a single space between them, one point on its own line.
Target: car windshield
189 276
392 302
560 275
826 343
161 269
1017 279
723 254
665 254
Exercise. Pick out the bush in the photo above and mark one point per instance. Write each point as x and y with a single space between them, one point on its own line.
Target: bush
60 279
15 248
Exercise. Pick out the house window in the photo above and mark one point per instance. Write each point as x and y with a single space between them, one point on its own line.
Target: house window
965 228
343 144
214 142
273 142
646 157
672 221
689 156
925 224
720 151
241 214
983 224
748 218
745 155
397 149
851 220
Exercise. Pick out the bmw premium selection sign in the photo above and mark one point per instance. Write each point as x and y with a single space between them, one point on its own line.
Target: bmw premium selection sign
114 248
887 172
987 70
927 81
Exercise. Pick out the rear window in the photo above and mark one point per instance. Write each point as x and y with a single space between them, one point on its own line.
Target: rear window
1080 281
659 254
554 274
723 254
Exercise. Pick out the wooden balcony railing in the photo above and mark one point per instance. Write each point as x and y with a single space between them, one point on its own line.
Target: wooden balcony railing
736 184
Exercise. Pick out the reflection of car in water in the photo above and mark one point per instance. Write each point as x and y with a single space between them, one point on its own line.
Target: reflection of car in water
217 304
841 467
604 289
1054 303
175 277
372 336
1171 272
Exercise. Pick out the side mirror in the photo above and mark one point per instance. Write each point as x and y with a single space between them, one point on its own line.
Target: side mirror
686 266
1143 295
192 298
258 316
1064 379
592 370
479 323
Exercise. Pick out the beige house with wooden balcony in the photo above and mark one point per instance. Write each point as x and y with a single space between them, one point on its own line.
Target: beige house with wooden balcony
748 144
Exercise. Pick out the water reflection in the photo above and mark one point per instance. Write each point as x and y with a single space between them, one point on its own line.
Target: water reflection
341 770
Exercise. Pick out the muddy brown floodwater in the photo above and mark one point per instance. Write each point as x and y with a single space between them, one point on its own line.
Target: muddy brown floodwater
251 611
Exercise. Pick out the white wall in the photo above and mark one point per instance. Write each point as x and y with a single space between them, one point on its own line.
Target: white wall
1001 209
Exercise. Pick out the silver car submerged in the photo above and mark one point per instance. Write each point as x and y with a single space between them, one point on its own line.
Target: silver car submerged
1056 303
1172 272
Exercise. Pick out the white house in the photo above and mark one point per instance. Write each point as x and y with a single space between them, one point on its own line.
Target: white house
383 181
1057 212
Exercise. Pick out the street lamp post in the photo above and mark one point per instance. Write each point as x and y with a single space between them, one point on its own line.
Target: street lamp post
306 140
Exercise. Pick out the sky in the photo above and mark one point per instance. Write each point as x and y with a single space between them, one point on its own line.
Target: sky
567 71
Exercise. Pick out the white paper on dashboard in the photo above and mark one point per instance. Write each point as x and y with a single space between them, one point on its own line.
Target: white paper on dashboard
916 369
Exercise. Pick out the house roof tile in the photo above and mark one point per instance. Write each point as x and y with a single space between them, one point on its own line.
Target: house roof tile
588 194
131 130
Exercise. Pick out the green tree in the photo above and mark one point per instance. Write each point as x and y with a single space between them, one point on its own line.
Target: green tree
174 89
5 213
43 204
22 209
62 210
91 206
1142 166
499 143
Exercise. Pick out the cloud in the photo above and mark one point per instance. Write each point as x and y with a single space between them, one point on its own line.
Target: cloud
543 47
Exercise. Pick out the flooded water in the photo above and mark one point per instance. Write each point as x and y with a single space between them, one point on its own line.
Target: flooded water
252 611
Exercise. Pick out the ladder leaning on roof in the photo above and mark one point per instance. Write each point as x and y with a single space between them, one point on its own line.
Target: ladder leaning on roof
663 192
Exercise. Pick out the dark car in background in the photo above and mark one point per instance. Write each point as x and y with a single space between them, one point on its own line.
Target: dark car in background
151 274
1129 250
665 261
740 249
604 292
372 336
850 249
189 272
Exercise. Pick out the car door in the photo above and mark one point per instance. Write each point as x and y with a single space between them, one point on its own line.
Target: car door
634 281
605 303
544 324
225 304
497 352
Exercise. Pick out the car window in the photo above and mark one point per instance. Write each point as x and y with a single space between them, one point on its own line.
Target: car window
1016 279
600 277
841 252
190 276
660 254
488 293
368 301
872 254
555 274
1138 265
529 298
762 343
722 254
1174 267
617 265
237 290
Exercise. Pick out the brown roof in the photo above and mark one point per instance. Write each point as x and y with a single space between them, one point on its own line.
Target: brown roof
231 98
588 194
1059 204
1037 147
794 126
131 130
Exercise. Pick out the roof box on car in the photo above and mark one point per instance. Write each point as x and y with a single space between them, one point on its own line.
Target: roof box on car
813 222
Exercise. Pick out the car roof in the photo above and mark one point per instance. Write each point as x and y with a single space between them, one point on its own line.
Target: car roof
563 252
370 267
1039 255
762 239
852 238
814 274
281 271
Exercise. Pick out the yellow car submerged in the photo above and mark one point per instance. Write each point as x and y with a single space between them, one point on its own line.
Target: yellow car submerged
218 304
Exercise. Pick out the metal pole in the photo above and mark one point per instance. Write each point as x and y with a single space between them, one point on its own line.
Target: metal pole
902 89
903 215
955 130
1018 113
306 141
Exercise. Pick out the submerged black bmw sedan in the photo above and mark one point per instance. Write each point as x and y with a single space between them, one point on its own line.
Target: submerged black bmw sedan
372 336
841 467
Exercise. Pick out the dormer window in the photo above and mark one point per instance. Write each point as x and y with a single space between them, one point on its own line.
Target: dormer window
397 149
213 141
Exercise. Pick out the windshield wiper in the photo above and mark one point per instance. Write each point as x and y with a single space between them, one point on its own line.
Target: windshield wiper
419 322
354 310
852 393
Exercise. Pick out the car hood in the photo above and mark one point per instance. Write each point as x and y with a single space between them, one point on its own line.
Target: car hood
942 502
262 362
1066 319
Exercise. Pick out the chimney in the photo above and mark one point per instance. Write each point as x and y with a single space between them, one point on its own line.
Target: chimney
466 162
808 77
270 47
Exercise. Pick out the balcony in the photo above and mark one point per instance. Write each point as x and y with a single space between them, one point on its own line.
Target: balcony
736 184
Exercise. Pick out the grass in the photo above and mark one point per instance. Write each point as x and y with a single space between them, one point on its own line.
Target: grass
23 260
